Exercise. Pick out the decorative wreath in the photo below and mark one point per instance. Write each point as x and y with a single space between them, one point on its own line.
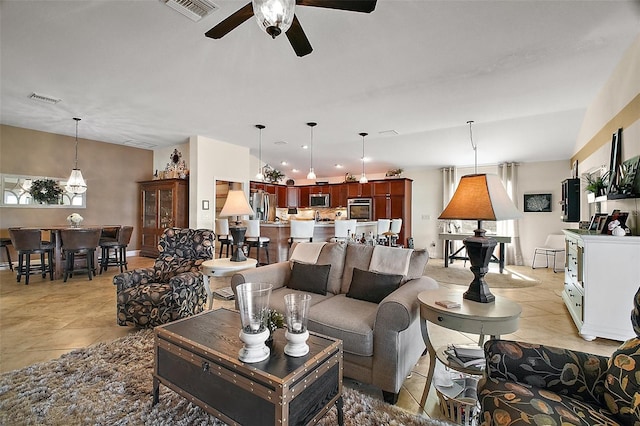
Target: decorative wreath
45 191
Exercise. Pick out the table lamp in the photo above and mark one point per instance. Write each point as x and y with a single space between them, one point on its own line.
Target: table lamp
236 205
480 197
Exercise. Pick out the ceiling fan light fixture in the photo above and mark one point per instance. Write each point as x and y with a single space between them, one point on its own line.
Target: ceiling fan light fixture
274 16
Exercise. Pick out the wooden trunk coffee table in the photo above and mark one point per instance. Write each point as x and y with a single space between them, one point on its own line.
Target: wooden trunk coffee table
197 357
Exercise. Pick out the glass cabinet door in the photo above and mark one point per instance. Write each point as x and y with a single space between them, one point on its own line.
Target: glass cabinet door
149 206
166 208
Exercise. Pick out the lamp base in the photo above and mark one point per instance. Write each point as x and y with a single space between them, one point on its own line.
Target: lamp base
237 233
296 345
254 349
479 251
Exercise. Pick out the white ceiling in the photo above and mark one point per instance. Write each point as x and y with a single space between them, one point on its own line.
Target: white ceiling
139 73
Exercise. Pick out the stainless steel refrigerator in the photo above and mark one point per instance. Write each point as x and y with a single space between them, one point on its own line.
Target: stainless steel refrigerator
264 205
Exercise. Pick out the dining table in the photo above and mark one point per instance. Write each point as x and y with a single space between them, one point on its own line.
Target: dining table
54 237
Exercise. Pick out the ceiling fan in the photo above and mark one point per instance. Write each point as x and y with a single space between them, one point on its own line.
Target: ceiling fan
276 16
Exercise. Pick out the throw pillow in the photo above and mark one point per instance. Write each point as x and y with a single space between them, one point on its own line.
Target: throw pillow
622 384
372 286
309 277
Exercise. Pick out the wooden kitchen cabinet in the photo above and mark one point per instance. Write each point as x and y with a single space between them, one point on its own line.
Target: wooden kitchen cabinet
392 200
339 195
303 196
164 204
362 190
281 196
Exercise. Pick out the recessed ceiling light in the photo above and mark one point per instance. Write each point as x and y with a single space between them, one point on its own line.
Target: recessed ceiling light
339 166
294 170
305 146
283 163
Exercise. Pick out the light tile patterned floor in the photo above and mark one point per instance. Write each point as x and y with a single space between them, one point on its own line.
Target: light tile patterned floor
45 319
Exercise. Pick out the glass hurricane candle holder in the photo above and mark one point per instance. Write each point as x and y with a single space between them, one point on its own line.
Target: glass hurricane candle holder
296 313
253 301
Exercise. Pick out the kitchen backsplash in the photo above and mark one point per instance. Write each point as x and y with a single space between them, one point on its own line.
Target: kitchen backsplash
324 213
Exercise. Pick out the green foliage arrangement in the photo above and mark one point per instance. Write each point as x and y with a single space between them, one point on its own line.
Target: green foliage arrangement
273 320
394 172
46 191
596 184
272 175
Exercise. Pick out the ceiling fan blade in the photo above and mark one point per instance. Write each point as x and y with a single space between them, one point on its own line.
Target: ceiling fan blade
298 38
366 6
226 26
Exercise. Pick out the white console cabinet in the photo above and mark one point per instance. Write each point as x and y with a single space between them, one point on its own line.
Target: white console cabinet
602 274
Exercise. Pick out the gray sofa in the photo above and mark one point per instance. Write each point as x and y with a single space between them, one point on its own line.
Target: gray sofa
381 341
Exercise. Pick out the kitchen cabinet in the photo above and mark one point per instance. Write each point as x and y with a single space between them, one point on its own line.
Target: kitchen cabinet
164 203
292 196
570 201
392 200
601 279
303 196
339 195
281 195
357 189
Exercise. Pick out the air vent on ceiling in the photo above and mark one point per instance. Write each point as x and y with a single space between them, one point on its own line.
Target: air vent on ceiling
44 98
388 132
192 9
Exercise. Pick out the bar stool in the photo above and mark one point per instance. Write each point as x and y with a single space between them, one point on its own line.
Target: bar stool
394 229
382 229
118 248
343 229
27 242
5 243
252 238
82 243
301 231
224 237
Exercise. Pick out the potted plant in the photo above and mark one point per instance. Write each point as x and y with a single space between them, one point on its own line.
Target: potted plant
46 191
596 184
272 175
394 173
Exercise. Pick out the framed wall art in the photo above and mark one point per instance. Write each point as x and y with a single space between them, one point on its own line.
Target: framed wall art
537 203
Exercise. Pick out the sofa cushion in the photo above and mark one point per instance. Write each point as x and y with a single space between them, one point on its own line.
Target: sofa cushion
372 286
358 256
276 301
333 254
390 260
350 320
622 384
311 278
418 262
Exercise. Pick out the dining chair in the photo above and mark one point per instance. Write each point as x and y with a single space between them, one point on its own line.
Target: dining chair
28 242
114 253
301 231
79 244
343 229
224 237
553 245
252 238
5 243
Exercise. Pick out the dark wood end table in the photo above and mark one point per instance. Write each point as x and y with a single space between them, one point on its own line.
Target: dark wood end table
197 357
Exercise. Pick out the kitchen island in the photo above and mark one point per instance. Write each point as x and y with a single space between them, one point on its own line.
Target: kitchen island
278 233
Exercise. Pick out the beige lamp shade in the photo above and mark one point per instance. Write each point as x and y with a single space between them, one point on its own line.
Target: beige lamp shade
236 204
480 197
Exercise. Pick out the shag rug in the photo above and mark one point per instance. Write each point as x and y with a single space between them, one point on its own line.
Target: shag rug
457 273
111 384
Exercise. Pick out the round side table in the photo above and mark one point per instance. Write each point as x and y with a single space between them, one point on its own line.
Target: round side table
222 267
493 319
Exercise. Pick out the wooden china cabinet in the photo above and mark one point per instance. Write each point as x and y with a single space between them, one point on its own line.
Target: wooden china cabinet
164 203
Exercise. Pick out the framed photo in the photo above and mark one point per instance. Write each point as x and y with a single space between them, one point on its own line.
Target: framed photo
537 202
595 220
602 222
574 169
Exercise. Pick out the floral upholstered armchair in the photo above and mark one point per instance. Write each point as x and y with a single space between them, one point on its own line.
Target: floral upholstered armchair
173 288
530 384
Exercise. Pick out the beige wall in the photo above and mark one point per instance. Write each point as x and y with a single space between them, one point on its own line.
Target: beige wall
111 171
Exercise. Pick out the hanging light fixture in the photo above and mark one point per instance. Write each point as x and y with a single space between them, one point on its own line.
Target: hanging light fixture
274 16
363 178
75 183
260 176
311 174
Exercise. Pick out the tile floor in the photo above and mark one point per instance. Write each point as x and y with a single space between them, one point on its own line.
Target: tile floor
45 319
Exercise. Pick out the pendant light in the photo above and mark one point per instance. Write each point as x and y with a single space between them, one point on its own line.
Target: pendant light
260 176
274 16
474 146
75 183
311 174
363 178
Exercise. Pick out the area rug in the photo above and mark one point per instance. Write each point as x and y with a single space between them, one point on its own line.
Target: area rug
457 273
111 384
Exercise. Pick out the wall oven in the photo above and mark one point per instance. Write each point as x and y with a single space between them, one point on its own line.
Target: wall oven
360 209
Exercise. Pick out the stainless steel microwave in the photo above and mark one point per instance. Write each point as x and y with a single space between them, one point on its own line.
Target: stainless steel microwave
319 200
